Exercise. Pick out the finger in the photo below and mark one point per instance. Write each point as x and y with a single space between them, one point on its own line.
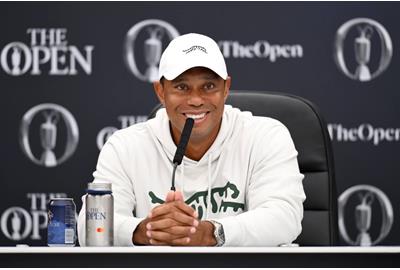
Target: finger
170 196
173 206
171 226
161 224
181 241
159 209
171 219
181 231
180 204
162 236
179 196
158 243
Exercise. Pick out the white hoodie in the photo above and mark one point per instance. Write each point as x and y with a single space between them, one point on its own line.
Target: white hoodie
250 170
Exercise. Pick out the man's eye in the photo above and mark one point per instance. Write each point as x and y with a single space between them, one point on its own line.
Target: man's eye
181 87
209 86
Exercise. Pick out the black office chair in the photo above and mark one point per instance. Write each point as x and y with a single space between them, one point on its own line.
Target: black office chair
311 138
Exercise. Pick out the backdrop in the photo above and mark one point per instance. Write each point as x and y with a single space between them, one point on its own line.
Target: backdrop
73 73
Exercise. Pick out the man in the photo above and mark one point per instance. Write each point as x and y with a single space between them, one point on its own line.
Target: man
239 183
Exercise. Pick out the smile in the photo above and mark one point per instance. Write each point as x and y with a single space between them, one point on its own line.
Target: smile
198 118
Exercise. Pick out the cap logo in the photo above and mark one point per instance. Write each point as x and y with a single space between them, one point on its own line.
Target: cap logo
194 48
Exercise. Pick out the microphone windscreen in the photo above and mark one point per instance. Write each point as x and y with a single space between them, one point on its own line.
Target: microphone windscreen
180 151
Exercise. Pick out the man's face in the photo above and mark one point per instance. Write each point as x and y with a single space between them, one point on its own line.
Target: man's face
197 93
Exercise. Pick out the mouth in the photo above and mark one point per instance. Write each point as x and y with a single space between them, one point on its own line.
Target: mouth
197 117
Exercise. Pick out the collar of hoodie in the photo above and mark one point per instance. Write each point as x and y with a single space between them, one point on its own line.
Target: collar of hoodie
159 127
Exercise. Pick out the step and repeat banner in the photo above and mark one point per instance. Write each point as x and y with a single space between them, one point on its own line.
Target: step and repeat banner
71 74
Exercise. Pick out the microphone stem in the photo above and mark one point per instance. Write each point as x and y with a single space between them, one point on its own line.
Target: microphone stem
173 176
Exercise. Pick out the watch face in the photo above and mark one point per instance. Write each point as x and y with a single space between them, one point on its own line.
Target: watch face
219 233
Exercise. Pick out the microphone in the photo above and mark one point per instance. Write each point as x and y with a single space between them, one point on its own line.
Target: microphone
180 150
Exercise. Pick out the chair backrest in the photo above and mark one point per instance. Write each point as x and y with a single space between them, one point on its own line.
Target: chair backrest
312 141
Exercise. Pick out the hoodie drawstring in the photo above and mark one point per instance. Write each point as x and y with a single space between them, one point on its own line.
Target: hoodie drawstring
210 177
209 185
183 180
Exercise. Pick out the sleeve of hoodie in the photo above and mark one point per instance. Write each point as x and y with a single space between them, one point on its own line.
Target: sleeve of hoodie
111 168
274 196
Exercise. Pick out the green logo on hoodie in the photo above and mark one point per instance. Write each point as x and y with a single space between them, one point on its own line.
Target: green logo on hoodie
198 201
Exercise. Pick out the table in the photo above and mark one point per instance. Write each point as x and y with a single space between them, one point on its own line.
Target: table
199 256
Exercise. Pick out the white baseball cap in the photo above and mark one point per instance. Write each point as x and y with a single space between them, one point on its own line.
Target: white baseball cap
189 51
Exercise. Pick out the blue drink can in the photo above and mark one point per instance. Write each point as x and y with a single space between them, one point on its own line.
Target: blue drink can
61 226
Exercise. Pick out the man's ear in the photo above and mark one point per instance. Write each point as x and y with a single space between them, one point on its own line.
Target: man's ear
159 90
227 87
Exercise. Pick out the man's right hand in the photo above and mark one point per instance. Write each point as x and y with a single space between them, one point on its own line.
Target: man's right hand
171 223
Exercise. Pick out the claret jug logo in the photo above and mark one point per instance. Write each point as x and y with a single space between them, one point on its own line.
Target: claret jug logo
144 44
221 199
18 223
363 49
48 49
124 122
46 120
356 205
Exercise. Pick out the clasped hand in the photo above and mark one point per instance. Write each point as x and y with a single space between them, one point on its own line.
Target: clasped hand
174 223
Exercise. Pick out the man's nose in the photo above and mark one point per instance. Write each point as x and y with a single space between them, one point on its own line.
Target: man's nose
195 98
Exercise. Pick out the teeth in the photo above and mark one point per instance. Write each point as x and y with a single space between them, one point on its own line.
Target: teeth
196 116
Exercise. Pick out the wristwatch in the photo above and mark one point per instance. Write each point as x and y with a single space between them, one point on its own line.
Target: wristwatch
218 233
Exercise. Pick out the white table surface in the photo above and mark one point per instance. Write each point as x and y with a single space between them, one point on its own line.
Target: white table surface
151 249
